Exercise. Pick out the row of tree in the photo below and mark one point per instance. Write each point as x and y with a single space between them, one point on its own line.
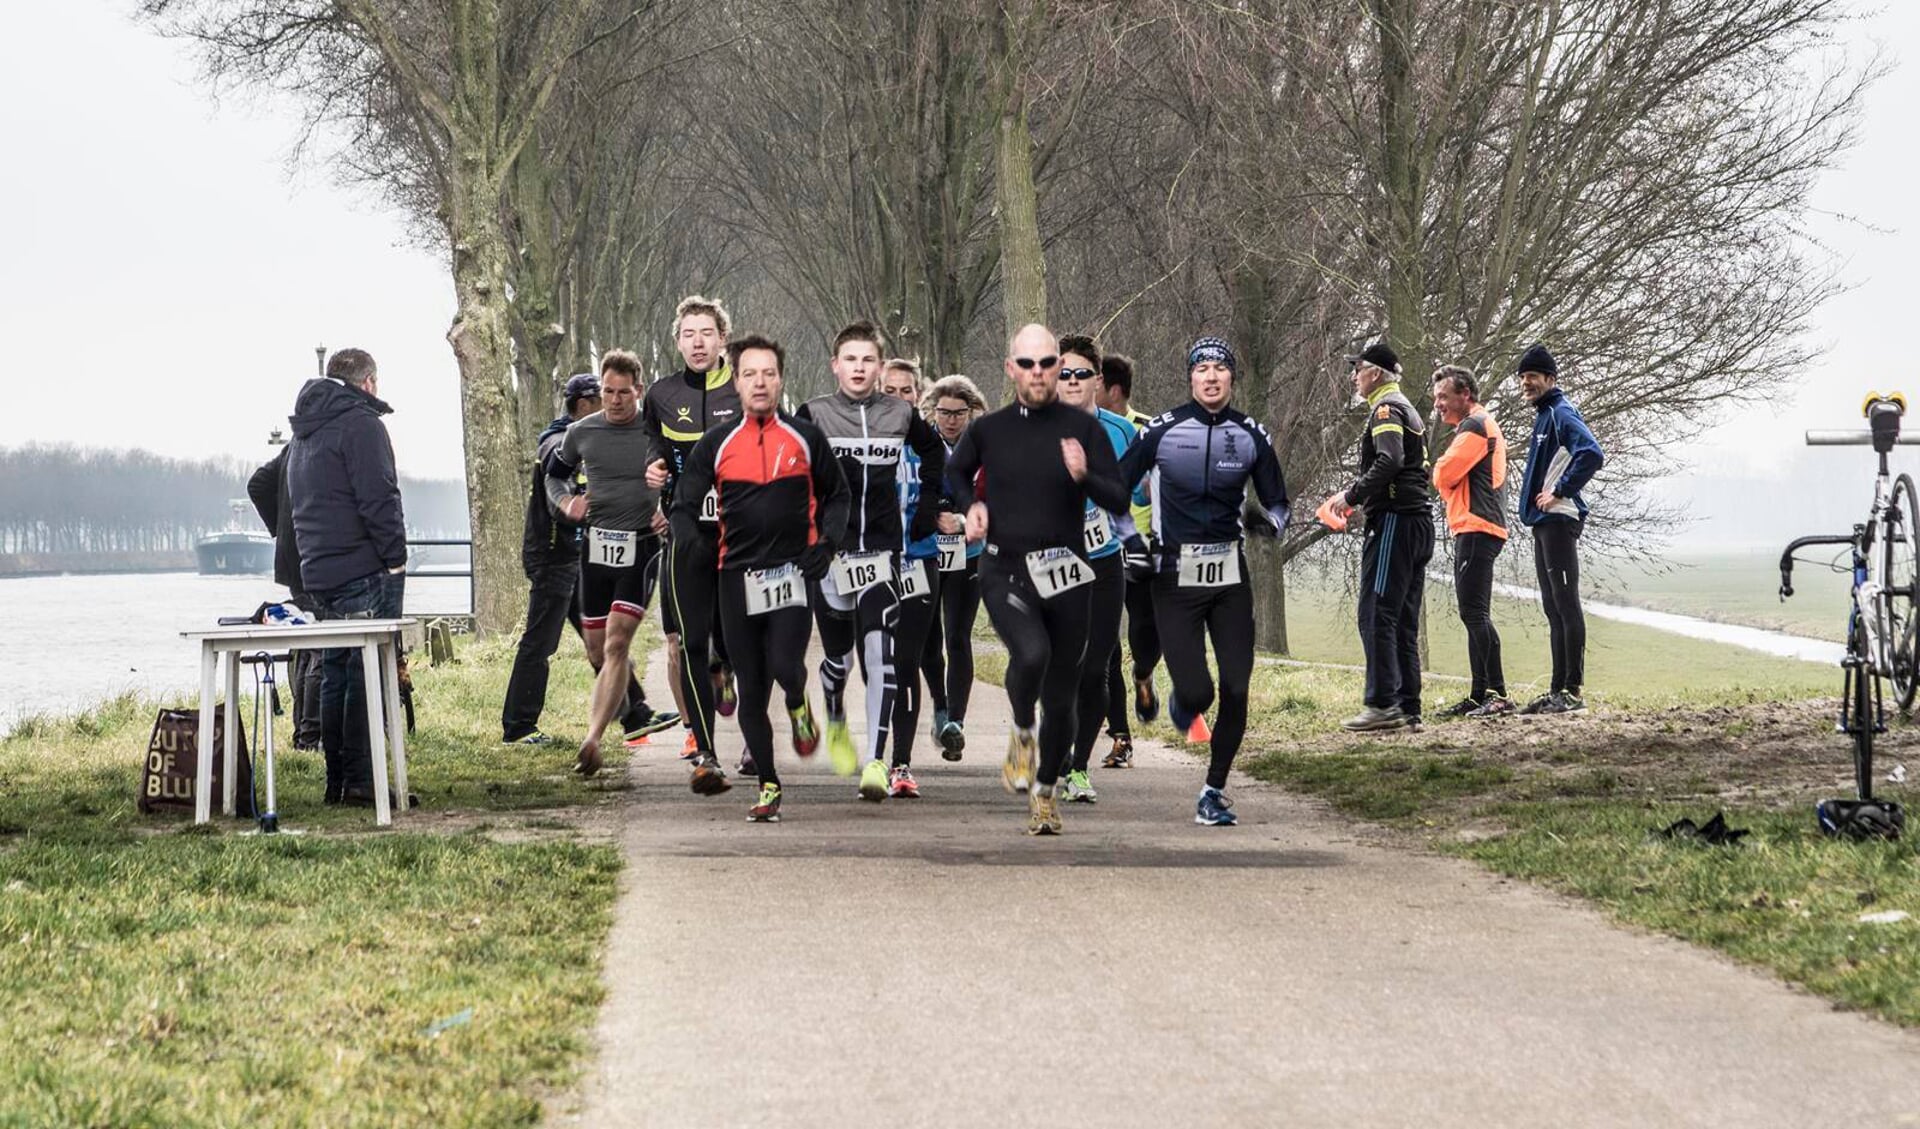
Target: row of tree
56 498
1621 178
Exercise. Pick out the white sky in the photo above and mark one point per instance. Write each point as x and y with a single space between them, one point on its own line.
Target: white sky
162 258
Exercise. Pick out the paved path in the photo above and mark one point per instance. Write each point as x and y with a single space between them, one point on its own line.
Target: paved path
925 963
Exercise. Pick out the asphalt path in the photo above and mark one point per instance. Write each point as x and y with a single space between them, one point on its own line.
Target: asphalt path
926 963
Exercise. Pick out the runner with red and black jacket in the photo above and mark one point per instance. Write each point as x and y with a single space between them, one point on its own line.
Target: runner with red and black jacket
870 433
781 507
678 410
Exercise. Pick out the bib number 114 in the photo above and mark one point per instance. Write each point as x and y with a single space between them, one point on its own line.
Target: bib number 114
1057 570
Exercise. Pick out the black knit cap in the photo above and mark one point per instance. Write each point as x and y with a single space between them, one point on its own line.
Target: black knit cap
1380 355
1537 359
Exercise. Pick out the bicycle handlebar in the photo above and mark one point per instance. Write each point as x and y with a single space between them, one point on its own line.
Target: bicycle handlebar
1786 558
1851 438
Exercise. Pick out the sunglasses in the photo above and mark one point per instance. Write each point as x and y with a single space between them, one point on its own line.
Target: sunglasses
1043 362
1076 374
952 413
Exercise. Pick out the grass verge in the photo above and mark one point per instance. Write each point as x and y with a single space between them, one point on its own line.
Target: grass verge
161 974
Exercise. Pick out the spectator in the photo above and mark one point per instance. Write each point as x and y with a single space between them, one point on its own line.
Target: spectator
268 490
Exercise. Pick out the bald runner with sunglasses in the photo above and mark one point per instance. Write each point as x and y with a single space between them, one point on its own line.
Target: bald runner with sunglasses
1043 462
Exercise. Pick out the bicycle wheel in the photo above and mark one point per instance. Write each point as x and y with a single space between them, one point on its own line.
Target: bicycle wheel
1900 617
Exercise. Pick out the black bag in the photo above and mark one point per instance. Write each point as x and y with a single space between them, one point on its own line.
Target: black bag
1861 820
173 761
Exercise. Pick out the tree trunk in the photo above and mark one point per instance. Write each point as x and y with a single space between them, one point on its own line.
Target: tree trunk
482 345
1023 265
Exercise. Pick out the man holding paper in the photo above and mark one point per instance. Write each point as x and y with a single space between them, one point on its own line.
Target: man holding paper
1561 459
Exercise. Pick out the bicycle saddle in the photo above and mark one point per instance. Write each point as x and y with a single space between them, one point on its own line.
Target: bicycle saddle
1883 412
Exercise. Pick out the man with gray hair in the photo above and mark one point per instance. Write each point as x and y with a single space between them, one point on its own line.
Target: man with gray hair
352 541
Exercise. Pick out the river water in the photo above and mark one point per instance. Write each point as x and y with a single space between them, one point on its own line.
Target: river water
66 642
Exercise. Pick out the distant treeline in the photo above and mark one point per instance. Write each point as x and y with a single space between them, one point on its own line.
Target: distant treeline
57 498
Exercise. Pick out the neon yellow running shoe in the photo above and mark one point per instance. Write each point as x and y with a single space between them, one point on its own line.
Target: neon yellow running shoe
768 809
840 748
1022 751
806 731
873 781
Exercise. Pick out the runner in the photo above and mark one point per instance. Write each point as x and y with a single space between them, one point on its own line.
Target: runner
781 507
860 597
1102 535
550 553
1472 477
1143 642
1392 492
952 403
1201 456
1043 462
679 409
613 450
919 593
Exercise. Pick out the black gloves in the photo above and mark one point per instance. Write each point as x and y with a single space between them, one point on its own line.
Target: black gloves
1136 559
815 559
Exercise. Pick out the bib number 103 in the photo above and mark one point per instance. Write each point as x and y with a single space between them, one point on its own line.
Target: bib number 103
856 572
1057 570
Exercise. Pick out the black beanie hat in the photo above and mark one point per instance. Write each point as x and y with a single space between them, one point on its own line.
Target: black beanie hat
1537 359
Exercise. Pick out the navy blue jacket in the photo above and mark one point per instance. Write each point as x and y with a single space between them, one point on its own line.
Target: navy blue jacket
1557 424
1201 463
272 501
347 521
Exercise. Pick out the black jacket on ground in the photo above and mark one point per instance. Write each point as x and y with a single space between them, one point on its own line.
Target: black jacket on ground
347 520
268 490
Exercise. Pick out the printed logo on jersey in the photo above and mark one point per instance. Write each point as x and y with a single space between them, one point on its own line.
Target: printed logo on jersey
683 414
1383 412
868 452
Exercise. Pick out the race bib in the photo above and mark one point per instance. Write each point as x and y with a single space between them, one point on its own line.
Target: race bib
770 589
953 551
1210 566
1057 570
1096 533
913 579
613 548
857 572
710 506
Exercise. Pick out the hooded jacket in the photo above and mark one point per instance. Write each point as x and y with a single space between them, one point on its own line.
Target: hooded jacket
268 491
347 519
1557 424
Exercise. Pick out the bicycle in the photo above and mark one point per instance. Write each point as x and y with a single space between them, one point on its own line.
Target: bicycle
1883 631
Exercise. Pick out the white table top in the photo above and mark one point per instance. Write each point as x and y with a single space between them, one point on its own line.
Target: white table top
287 632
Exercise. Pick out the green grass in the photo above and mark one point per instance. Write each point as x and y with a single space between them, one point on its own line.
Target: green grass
161 974
1731 587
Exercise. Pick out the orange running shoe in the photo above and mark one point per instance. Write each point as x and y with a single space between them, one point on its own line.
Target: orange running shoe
691 749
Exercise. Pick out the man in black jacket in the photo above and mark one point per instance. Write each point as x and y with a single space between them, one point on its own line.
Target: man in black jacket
268 491
352 541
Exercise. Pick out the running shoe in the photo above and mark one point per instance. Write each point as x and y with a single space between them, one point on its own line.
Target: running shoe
1181 719
840 748
873 781
1043 811
1462 708
708 778
1375 718
1571 702
1414 724
1017 773
1080 789
953 740
768 809
724 699
1198 733
589 762
691 749
901 785
806 731
1121 755
652 722
1146 703
640 742
534 738
1214 809
748 766
940 719
1540 704
1496 705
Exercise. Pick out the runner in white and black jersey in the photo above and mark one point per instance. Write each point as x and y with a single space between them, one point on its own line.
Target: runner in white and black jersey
870 433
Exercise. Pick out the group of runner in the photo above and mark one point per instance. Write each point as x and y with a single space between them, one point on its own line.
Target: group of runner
886 513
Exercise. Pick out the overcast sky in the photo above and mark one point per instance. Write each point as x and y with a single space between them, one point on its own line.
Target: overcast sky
167 279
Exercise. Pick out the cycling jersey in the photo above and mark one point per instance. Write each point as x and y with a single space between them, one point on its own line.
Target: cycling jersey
1200 464
1393 456
870 437
1142 500
1558 426
779 488
1472 474
680 408
614 457
916 548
